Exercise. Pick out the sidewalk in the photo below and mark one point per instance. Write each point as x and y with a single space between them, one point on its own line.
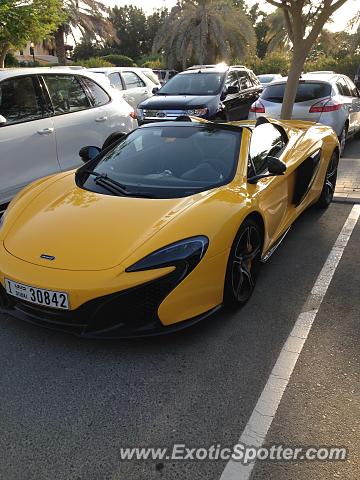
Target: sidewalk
348 181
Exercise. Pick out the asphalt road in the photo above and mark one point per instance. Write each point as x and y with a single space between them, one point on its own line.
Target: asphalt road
67 406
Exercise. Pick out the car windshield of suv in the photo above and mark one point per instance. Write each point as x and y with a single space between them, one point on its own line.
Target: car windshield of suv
166 162
305 92
194 84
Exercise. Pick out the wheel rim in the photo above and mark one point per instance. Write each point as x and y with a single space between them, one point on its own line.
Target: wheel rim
330 179
247 250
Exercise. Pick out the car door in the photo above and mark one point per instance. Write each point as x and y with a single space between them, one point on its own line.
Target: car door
136 89
249 93
79 119
27 139
355 104
233 102
272 193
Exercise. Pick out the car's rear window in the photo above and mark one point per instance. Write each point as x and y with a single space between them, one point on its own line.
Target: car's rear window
305 92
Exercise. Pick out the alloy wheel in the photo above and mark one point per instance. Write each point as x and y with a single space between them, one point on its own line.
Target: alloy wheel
330 179
246 253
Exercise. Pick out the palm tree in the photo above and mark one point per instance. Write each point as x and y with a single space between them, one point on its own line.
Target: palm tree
204 31
88 17
277 37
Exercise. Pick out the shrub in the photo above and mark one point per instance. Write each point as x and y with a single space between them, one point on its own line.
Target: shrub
86 50
347 65
95 62
10 60
151 61
120 60
273 63
29 64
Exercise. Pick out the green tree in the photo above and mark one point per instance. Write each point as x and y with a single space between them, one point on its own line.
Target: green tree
204 31
22 21
259 21
86 49
130 25
89 16
153 24
304 21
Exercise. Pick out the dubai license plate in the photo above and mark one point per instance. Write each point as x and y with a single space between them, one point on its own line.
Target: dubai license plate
39 296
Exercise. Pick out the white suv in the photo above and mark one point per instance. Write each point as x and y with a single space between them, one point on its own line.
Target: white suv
134 83
47 115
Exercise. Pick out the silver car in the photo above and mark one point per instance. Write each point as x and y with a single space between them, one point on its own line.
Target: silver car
328 98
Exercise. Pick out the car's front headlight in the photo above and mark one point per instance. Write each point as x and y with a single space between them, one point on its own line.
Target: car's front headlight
197 112
185 254
140 113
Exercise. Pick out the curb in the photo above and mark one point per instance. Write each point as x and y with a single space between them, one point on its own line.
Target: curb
346 198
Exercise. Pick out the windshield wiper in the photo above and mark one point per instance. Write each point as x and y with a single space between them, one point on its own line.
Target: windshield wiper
112 185
104 179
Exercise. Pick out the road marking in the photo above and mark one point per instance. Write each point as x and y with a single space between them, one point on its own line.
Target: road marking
264 412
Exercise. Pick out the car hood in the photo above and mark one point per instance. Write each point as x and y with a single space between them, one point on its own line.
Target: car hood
85 230
178 102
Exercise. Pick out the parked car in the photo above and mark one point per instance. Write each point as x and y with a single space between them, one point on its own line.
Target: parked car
267 78
214 92
173 227
327 98
134 84
165 75
47 115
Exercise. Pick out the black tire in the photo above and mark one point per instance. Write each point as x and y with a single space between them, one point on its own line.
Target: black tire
243 264
114 137
329 185
343 138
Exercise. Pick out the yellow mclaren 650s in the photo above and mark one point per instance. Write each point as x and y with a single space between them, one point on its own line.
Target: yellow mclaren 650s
161 228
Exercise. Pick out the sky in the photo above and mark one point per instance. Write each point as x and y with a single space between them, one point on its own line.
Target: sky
340 18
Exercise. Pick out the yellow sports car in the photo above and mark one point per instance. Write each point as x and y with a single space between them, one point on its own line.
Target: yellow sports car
161 228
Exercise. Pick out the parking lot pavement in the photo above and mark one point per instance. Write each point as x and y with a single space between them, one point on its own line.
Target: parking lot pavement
321 405
68 406
348 181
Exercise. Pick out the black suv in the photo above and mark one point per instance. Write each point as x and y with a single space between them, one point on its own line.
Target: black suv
214 92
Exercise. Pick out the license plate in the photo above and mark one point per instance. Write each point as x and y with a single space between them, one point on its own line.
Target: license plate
39 296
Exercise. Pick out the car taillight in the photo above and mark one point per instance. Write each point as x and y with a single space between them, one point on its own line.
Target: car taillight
326 105
257 107
133 115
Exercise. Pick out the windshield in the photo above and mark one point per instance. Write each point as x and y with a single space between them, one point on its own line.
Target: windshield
167 161
194 84
305 92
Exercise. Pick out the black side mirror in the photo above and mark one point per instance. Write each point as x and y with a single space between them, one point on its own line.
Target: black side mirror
155 90
2 121
275 167
232 89
88 153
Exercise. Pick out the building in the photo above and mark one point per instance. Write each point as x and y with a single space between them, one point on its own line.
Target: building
44 53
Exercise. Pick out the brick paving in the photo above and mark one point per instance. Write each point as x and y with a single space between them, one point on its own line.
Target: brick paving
348 181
